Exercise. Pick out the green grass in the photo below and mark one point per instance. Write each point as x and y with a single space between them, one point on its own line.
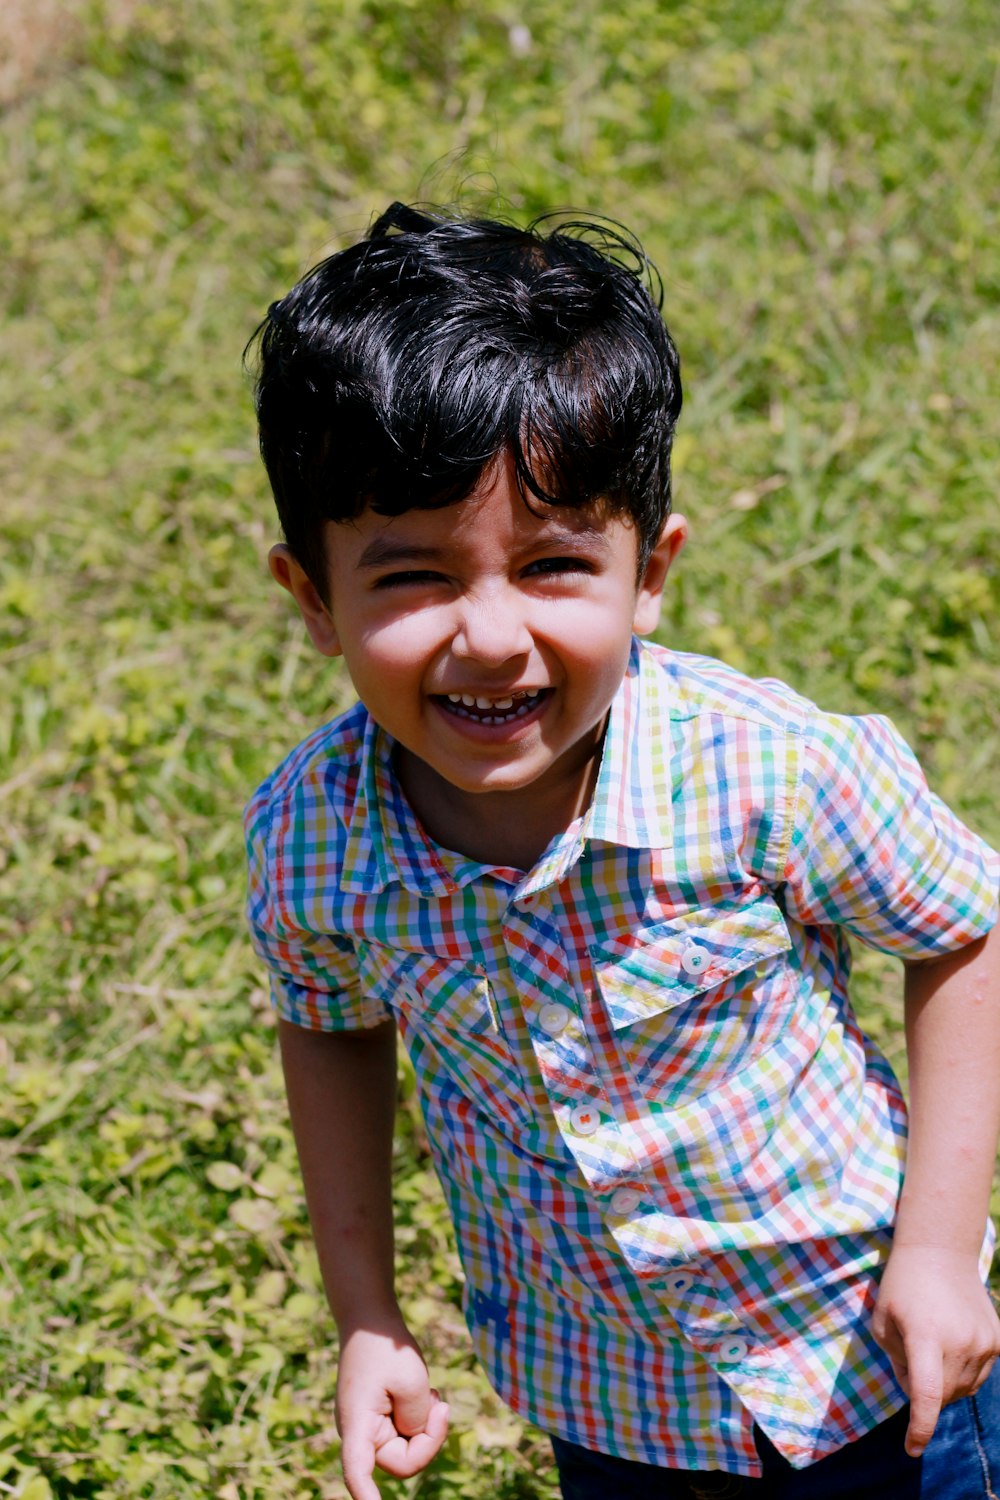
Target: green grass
818 185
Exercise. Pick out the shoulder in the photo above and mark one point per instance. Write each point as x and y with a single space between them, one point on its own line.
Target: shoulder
758 725
298 832
735 748
700 686
308 799
753 756
329 758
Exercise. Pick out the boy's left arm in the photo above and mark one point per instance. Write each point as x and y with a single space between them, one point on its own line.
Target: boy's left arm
934 1318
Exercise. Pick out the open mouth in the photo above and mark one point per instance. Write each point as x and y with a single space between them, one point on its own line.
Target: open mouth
482 710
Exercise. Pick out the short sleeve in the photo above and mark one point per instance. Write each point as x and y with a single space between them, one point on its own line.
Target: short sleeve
874 850
313 974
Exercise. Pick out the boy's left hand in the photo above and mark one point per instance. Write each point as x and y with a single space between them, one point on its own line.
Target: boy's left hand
936 1321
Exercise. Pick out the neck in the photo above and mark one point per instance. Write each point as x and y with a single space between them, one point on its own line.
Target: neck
512 829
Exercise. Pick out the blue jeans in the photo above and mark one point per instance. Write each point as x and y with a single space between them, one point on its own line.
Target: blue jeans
962 1462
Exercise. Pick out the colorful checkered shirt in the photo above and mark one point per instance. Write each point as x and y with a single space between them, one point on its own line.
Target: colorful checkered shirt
671 1155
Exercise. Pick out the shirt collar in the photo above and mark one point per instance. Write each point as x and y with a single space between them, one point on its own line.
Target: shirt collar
632 802
631 805
385 843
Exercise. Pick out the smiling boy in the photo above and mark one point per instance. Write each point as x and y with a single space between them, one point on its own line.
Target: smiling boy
603 891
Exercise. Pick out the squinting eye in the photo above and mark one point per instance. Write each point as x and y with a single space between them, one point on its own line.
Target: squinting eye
401 580
559 565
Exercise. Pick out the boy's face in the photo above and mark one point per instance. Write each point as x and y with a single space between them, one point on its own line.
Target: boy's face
489 642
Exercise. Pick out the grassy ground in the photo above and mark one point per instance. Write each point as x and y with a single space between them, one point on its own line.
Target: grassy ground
818 185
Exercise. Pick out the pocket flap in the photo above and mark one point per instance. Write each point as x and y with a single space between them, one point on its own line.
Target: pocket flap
663 965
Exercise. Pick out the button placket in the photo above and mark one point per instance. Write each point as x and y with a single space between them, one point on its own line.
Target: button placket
558 1035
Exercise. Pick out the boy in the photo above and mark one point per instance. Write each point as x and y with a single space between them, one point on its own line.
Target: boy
604 891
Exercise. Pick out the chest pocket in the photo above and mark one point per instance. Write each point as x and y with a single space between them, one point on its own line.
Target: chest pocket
449 1020
695 1001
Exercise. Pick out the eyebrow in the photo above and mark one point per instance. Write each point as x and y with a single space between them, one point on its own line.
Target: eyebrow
385 551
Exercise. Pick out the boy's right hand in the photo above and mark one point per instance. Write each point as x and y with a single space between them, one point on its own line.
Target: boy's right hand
387 1414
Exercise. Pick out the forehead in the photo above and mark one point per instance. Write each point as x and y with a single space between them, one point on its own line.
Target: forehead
493 522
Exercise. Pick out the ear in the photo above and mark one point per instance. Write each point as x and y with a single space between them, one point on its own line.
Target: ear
650 592
286 570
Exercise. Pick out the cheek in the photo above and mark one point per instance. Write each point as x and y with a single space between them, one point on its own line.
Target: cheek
593 640
396 649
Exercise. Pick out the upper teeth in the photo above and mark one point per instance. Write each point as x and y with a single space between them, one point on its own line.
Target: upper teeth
469 701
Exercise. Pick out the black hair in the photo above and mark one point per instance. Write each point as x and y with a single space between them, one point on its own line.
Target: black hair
399 369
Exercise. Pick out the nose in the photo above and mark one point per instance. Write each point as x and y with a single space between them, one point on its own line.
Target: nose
492 626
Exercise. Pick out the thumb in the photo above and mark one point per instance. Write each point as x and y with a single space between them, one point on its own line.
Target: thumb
437 1422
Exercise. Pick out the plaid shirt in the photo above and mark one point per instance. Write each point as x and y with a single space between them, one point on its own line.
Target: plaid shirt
671 1155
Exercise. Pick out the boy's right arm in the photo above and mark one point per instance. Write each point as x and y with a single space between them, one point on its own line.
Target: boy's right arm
341 1096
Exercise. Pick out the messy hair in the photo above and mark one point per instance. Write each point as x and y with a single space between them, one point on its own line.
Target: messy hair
399 369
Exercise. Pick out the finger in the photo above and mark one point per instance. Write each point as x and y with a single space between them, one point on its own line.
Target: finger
981 1375
925 1392
889 1339
357 1459
404 1457
892 1345
437 1421
411 1406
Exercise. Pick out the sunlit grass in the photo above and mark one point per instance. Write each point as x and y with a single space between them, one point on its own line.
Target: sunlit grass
819 188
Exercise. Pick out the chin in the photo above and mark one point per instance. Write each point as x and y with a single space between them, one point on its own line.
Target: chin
500 782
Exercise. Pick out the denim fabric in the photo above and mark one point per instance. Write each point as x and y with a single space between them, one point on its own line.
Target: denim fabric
961 1463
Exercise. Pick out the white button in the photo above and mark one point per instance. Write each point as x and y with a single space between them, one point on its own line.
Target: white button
553 1018
624 1200
680 1281
585 1119
694 960
733 1350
